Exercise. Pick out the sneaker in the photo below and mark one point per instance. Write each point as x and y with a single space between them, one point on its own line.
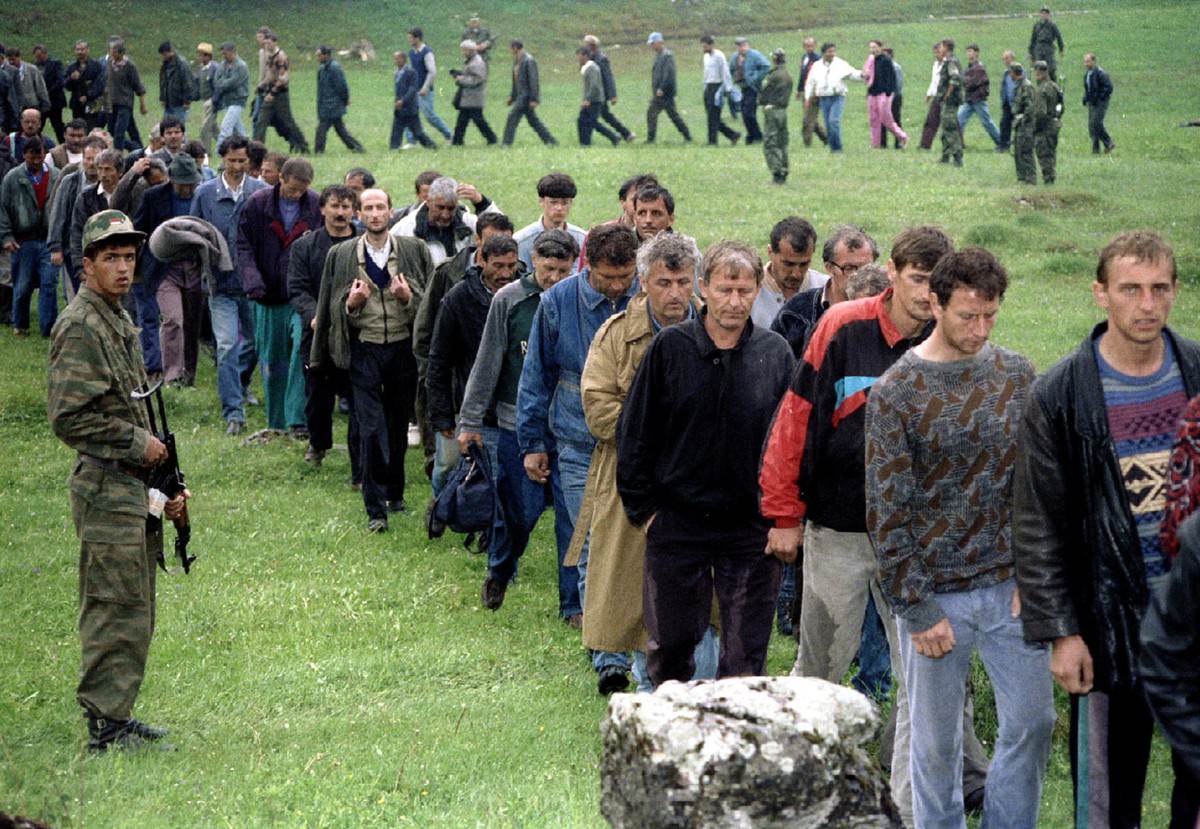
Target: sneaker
377 525
406 146
613 678
234 428
493 593
314 456
397 506
630 137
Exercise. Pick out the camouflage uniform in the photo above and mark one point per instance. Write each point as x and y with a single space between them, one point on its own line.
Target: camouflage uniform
1046 97
95 364
1041 44
774 99
950 81
1022 110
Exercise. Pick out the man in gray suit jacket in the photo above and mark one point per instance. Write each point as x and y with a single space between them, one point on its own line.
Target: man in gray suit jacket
662 82
524 97
472 94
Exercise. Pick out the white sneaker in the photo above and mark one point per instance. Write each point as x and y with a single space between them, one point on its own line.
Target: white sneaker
406 146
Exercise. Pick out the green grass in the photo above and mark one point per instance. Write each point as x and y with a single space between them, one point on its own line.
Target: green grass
317 676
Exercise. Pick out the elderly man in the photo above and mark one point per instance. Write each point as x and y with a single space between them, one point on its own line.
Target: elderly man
220 202
526 94
718 374
556 195
24 216
370 292
790 250
664 87
472 94
31 127
333 99
271 221
489 407
443 224
551 428
231 88
612 618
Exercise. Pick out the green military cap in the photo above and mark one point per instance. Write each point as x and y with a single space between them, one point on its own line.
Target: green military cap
1042 65
107 224
1016 68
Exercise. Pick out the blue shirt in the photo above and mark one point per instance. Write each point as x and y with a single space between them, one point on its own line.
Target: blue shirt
289 212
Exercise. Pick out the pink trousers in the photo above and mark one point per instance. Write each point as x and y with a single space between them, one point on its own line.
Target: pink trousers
879 114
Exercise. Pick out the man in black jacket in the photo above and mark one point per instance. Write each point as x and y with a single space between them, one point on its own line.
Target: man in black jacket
52 74
525 95
610 87
305 266
1097 89
85 81
1089 491
716 375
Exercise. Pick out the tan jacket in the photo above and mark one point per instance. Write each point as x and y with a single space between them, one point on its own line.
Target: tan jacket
612 613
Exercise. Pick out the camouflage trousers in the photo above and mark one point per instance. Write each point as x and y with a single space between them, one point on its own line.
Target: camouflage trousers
1023 154
116 590
1045 144
952 144
775 141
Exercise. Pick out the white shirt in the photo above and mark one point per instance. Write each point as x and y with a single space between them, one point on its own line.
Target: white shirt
716 69
770 301
829 79
379 255
933 84
74 158
235 192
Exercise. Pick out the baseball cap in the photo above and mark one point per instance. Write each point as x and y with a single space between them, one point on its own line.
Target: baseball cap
655 37
107 224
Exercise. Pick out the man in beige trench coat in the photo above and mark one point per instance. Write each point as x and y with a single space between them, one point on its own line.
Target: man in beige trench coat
612 611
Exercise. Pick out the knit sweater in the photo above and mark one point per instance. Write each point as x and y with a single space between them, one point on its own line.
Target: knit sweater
941 445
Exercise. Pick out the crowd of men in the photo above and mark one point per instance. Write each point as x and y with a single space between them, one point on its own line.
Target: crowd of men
876 477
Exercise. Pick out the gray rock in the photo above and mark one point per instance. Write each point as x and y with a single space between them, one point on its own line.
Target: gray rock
760 752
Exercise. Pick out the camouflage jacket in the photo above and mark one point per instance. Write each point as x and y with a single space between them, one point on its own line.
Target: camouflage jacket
95 364
1046 97
950 80
1022 106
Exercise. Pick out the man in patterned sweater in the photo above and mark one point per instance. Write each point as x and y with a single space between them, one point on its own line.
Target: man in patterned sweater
941 445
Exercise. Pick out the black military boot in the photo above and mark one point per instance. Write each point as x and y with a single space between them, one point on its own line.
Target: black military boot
146 731
126 735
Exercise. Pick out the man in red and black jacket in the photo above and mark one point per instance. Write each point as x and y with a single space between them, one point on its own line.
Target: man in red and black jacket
814 469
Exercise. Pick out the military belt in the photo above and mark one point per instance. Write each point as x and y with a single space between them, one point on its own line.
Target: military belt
138 472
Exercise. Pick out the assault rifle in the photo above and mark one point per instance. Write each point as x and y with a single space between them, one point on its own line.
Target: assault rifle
167 477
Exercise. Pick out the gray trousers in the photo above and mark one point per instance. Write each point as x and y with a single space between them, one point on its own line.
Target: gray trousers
840 570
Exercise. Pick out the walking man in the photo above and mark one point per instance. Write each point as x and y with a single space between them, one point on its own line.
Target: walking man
420 58
812 120
664 88
175 83
941 428
472 94
718 83
748 69
1097 89
1041 42
976 90
556 195
933 117
1047 107
950 94
24 228
718 374
1089 496
775 96
525 96
95 364
122 84
406 121
52 75
85 80
205 69
1007 92
333 99
610 87
593 100
231 88
826 86
276 108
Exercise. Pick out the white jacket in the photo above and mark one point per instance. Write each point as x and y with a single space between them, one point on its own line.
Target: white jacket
826 79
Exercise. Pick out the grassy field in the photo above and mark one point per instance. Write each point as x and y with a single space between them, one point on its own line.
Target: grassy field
314 675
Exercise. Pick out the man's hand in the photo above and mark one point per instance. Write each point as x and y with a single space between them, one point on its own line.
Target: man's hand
469 192
312 324
537 467
508 102
399 103
784 542
56 258
612 102
156 452
174 507
533 104
584 104
448 434
1015 606
1071 664
422 92
400 291
465 439
658 93
187 104
935 642
359 292
270 96
140 166
143 109
12 246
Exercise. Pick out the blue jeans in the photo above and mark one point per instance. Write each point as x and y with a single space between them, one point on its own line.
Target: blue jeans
1020 673
147 307
118 125
233 329
425 105
706 656
521 504
32 260
176 112
874 677
831 111
979 108
231 124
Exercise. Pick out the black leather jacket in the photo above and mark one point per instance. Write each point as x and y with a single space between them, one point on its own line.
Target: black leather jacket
1170 660
1079 562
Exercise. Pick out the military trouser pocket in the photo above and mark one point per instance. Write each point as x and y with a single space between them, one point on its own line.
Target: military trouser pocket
113 562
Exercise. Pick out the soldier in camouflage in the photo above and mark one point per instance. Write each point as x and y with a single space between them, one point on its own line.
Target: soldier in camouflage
95 365
1041 42
950 92
774 99
1047 107
1022 110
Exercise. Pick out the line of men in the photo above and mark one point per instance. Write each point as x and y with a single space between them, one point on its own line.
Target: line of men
914 462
